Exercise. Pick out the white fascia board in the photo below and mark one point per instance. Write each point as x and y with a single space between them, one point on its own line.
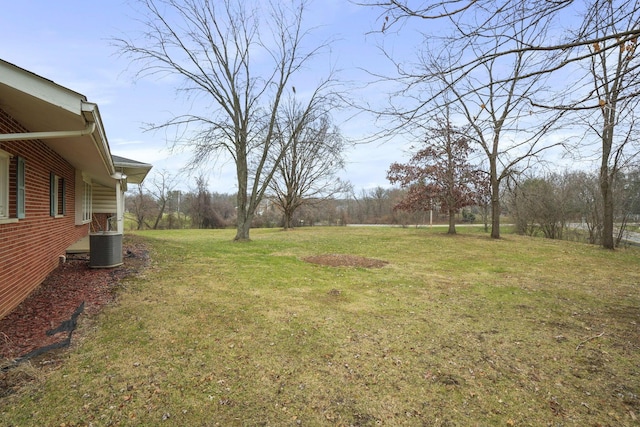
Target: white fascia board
91 113
40 88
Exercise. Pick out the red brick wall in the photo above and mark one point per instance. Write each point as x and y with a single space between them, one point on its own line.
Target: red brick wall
30 248
99 222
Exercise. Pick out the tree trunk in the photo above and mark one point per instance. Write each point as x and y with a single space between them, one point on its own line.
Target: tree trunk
485 216
159 217
244 211
607 207
287 219
288 209
244 217
606 178
452 222
495 199
243 226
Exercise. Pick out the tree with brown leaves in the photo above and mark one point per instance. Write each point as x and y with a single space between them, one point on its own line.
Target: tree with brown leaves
439 172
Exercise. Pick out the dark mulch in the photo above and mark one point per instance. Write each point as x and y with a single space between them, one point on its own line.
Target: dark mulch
44 322
52 305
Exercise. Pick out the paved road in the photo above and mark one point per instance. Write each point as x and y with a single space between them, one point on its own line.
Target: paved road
632 238
629 237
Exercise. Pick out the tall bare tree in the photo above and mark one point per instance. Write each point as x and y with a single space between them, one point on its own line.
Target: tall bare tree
609 106
313 151
201 206
494 101
237 57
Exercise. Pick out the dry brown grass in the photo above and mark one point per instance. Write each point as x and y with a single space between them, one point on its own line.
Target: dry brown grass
454 330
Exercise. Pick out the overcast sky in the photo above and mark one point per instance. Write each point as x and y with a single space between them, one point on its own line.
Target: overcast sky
70 42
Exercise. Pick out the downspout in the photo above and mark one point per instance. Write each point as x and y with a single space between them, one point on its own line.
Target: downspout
89 129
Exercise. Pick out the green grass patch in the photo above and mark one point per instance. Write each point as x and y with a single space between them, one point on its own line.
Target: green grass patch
454 330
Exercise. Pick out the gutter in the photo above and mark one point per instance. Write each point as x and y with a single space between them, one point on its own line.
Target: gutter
93 128
89 129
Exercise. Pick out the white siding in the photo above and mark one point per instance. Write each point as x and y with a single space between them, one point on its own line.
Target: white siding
104 199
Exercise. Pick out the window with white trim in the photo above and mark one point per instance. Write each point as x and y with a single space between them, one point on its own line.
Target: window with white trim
21 189
56 195
87 197
83 198
4 184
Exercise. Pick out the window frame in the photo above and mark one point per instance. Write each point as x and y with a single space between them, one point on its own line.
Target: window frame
21 188
57 196
5 159
87 201
83 201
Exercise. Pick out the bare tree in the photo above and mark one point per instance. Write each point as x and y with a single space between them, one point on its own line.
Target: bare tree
483 199
494 100
239 57
142 205
312 155
589 205
174 209
160 187
546 204
609 107
475 20
202 208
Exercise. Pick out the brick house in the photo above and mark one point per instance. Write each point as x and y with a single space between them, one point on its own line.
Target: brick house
58 179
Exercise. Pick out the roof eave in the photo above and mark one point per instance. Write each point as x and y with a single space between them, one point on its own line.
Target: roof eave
91 112
41 105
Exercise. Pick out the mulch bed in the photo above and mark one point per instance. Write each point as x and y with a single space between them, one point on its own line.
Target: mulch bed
72 288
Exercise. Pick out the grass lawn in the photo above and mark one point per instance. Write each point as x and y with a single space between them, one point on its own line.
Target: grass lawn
453 331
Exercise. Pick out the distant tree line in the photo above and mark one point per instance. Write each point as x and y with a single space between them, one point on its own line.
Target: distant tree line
552 205
569 206
201 208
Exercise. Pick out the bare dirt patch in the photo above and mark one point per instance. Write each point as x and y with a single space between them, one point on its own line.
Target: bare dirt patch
341 260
